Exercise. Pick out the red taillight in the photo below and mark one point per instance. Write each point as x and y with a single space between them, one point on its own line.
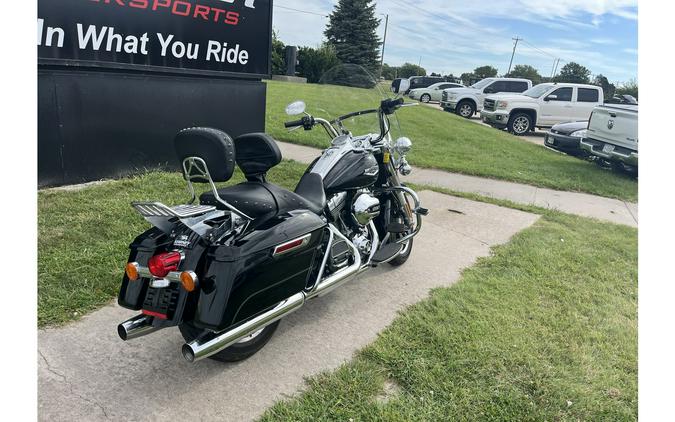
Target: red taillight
161 265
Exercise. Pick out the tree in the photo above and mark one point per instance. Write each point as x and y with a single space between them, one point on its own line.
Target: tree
352 32
467 78
409 69
574 73
435 74
525 71
451 78
389 72
628 88
314 62
483 72
278 55
608 88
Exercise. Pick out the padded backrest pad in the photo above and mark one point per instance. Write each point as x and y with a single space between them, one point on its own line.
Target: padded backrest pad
256 153
213 146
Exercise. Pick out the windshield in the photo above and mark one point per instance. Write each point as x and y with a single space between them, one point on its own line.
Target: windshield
482 84
436 85
341 91
538 90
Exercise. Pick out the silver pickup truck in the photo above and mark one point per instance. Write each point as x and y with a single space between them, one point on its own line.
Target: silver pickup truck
613 134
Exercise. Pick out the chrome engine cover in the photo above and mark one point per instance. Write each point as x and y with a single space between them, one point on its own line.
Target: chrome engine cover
364 208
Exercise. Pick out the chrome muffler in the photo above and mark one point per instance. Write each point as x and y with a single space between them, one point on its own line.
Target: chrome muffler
138 326
211 343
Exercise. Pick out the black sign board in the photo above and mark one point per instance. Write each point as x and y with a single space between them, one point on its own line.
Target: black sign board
212 37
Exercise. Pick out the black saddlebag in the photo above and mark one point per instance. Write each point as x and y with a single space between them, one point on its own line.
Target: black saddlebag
271 263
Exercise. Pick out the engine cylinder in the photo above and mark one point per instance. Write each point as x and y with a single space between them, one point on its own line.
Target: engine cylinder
364 208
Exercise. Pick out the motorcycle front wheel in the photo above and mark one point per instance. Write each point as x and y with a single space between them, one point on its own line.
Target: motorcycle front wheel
244 349
403 255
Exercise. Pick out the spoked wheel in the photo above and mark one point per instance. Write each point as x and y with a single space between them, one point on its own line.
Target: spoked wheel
243 349
425 98
520 124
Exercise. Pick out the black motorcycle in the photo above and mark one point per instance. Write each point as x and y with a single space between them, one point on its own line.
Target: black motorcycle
227 270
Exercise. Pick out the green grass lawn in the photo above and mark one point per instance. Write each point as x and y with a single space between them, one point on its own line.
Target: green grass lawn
83 237
543 330
444 141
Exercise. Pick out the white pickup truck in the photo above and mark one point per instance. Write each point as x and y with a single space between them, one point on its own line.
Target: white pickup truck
613 135
544 105
467 101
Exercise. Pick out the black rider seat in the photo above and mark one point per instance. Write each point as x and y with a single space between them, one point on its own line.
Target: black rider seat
257 199
256 153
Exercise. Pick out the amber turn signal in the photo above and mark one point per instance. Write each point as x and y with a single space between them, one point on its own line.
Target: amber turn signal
189 280
132 271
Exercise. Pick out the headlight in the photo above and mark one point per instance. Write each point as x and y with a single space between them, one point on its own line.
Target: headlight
452 96
502 104
579 133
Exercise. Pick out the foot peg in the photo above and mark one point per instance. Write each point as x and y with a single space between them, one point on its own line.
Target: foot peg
387 253
422 211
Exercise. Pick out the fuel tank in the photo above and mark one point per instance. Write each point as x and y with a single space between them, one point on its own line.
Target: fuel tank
354 170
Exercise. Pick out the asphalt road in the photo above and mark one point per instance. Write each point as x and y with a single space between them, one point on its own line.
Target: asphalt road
86 373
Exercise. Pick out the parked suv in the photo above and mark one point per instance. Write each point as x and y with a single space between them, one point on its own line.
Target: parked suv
544 105
423 81
467 101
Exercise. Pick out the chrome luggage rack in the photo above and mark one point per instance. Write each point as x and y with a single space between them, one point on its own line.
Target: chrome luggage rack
192 215
157 209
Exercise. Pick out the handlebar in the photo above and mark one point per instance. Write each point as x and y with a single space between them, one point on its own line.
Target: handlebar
293 123
389 106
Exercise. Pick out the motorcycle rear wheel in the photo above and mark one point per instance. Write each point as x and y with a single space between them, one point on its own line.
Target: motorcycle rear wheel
238 351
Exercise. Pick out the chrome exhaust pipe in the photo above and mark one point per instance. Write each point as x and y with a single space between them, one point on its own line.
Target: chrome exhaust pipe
345 274
138 326
211 343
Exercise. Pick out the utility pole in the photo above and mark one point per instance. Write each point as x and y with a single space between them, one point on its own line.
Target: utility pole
384 40
555 68
515 44
420 62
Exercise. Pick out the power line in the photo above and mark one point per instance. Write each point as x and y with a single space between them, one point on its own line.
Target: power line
538 49
301 11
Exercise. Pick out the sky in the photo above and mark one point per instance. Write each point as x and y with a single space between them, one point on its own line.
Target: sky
457 36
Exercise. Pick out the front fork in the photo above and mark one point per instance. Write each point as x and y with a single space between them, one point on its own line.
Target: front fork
400 193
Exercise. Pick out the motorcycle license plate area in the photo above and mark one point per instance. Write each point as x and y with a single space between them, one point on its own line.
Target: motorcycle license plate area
608 148
161 303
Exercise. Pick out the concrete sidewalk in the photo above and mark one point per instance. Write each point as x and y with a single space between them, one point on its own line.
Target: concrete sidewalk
583 204
86 373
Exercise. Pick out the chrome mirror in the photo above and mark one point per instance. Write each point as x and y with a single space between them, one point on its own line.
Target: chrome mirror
295 108
403 146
